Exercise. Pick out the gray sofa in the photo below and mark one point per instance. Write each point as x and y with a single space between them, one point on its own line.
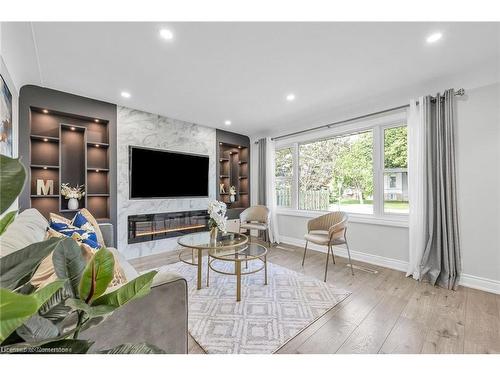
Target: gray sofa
160 318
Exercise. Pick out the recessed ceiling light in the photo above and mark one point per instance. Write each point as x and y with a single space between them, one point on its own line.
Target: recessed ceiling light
96 120
434 37
45 139
73 128
125 94
45 111
227 122
166 34
290 97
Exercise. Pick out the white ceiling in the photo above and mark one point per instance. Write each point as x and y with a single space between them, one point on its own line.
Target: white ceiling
211 72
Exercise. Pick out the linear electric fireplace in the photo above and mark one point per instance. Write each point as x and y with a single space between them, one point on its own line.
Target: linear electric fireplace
150 227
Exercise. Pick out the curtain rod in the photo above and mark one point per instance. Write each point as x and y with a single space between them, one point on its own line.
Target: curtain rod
459 92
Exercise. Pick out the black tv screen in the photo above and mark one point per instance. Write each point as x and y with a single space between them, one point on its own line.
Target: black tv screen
166 174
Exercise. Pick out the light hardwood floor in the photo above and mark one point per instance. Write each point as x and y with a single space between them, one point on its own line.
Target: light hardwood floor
386 312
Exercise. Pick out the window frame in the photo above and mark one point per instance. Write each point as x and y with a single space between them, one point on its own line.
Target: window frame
377 125
383 169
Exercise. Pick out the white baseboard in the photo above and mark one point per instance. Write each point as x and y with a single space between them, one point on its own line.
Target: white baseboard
470 281
377 260
481 283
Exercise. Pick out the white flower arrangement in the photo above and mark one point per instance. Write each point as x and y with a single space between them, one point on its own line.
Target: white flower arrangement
69 192
232 190
217 212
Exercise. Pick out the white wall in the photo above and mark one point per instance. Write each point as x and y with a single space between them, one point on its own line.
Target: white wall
15 114
478 170
137 128
478 153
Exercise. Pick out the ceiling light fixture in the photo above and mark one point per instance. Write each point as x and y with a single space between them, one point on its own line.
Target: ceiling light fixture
125 94
73 128
433 38
227 122
45 139
166 34
96 120
45 111
290 97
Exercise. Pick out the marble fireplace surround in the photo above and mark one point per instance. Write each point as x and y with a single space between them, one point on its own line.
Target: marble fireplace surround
138 128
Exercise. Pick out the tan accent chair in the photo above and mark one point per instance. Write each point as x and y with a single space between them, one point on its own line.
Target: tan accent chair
328 230
256 218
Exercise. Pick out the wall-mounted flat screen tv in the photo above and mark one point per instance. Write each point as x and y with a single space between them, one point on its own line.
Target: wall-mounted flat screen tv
167 174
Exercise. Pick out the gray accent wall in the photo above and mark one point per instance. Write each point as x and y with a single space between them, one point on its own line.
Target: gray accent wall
40 97
138 128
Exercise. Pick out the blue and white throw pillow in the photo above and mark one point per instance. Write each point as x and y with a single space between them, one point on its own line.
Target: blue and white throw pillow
80 221
79 229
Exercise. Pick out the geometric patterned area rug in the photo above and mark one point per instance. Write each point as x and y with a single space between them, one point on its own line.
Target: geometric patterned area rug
267 316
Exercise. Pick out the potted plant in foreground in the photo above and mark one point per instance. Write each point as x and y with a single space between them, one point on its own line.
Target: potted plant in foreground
50 318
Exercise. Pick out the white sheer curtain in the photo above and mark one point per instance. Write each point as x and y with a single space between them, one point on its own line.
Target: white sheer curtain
271 190
417 183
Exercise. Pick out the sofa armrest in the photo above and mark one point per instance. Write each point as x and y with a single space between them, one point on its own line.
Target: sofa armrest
160 318
107 234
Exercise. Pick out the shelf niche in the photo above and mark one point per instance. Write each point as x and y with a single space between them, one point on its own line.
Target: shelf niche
73 155
233 170
69 149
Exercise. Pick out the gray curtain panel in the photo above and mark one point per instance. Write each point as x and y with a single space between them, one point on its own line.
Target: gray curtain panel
441 263
262 172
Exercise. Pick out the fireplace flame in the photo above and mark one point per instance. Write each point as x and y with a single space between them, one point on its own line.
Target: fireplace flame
151 233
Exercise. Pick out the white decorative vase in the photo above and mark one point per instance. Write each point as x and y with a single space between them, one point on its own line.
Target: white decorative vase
231 198
73 204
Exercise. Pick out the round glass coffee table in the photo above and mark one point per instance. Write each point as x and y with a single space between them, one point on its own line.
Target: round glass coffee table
200 241
248 253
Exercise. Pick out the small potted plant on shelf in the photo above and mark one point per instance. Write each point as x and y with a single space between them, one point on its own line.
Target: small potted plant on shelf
74 194
232 193
218 219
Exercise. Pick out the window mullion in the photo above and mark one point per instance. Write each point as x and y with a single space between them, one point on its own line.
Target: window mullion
378 181
295 177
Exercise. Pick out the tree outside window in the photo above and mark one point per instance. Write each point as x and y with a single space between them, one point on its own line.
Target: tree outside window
337 174
284 175
396 170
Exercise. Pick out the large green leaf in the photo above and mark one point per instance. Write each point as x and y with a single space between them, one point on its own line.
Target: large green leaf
17 268
42 295
54 308
97 275
91 311
15 308
37 328
136 288
133 349
7 220
12 177
69 262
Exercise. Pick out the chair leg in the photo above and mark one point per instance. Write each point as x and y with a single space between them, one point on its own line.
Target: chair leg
304 257
333 256
327 260
349 254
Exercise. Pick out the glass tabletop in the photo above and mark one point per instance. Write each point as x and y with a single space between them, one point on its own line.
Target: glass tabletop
245 252
201 240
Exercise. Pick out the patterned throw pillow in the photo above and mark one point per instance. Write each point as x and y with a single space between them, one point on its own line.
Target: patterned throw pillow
84 220
84 229
58 222
81 236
